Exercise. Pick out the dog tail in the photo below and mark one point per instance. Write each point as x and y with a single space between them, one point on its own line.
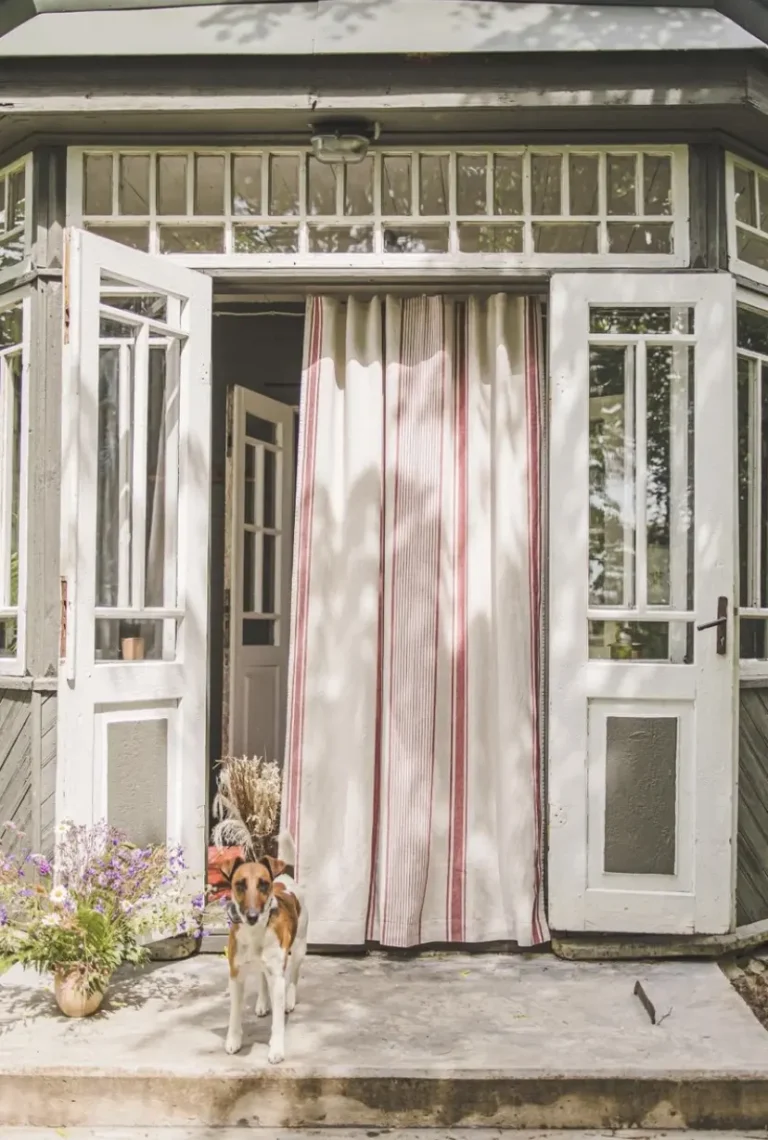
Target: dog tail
286 849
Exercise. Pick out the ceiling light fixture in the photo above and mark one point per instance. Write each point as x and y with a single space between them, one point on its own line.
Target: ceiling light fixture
342 142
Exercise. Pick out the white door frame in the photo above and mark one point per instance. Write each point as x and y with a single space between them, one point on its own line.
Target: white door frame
94 693
699 897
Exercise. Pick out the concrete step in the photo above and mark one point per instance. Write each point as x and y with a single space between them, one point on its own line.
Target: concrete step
353 1134
446 1042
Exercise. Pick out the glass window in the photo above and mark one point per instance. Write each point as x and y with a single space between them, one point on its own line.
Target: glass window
11 481
14 211
523 203
752 421
749 212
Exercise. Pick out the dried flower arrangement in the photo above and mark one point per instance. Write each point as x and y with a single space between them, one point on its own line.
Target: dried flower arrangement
84 913
247 803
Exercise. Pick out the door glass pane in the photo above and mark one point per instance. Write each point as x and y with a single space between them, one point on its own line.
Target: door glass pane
611 476
269 565
752 420
249 571
113 480
249 489
270 488
162 480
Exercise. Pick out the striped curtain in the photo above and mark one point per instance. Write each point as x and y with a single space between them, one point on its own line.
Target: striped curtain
412 773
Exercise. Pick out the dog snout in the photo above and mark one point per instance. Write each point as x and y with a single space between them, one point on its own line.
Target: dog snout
252 916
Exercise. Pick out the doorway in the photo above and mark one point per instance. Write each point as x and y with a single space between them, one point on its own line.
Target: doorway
257 358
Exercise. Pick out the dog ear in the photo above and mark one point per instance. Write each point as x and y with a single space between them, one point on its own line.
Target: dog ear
275 866
229 867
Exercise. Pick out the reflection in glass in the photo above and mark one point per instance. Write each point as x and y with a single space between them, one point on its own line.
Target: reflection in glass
97 176
209 184
471 183
358 188
641 641
508 184
133 184
657 184
111 449
322 180
564 237
433 184
611 476
639 237
246 184
583 183
396 184
546 183
475 237
621 172
172 184
746 203
283 184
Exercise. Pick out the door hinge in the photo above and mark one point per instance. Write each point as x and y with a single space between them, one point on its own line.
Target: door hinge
63 618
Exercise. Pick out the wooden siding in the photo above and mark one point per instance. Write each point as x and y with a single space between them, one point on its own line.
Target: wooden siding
27 766
752 861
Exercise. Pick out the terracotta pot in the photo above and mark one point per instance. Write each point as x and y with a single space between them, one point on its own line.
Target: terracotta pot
72 999
133 648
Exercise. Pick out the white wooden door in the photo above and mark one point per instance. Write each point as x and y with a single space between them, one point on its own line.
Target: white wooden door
136 408
261 482
642 548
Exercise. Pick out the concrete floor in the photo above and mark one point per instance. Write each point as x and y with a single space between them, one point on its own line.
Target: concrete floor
528 1041
354 1134
440 1014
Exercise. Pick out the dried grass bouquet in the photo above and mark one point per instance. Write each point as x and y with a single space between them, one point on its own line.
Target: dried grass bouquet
247 802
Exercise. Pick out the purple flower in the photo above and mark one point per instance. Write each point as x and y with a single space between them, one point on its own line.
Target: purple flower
3 916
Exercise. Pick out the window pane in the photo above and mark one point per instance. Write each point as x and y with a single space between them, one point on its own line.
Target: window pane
641 641
191 239
421 239
120 640
471 183
657 184
583 179
396 184
269 564
10 326
97 178
162 478
745 386
621 170
611 476
508 184
266 239
283 184
669 464
257 428
249 488
270 489
8 637
752 249
209 184
569 237
249 572
133 185
433 184
114 482
340 239
246 184
752 329
13 377
639 237
135 237
762 187
475 238
3 187
633 319
17 197
546 183
322 179
358 188
172 184
744 185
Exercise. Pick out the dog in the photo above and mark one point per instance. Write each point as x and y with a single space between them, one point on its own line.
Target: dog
268 937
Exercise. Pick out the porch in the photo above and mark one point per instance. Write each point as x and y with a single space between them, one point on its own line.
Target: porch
523 1041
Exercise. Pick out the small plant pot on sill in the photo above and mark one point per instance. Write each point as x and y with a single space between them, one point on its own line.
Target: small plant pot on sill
72 998
132 648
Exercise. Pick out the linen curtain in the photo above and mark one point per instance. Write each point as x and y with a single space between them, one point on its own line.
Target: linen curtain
412 767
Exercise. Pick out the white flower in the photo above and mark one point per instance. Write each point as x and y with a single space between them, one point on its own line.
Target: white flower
52 920
59 895
126 907
62 828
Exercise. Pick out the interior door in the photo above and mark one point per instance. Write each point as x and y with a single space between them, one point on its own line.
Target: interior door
642 554
261 482
136 408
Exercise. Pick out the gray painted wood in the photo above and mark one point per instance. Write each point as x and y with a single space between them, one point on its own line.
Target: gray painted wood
752 860
706 169
43 529
15 765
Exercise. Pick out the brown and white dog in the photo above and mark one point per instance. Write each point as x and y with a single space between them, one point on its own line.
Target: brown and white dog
268 937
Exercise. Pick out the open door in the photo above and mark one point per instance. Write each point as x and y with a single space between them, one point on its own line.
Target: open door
136 409
260 497
642 682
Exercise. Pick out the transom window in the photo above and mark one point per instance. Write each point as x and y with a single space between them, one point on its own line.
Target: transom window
14 211
748 217
514 204
752 339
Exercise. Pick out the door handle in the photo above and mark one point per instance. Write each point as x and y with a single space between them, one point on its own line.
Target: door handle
721 624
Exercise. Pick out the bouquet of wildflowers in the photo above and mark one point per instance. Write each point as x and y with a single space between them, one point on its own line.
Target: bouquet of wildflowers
88 911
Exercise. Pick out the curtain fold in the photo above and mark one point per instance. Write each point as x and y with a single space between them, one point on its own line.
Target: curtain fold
412 773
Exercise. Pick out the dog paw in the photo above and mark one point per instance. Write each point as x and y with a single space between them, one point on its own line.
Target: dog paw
290 999
275 1055
233 1043
262 1008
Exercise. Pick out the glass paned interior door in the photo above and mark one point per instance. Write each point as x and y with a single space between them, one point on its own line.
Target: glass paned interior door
642 577
641 446
138 478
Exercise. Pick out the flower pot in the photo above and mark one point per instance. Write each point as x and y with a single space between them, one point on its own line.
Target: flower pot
132 648
72 999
